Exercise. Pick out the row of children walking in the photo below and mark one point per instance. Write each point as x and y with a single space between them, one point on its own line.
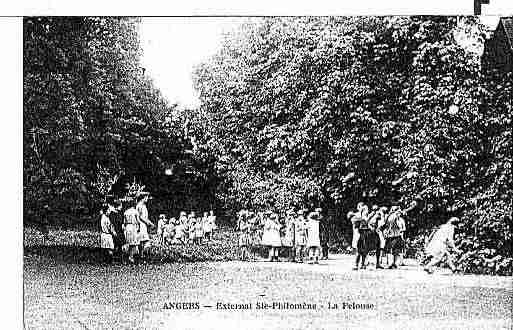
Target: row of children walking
298 235
187 229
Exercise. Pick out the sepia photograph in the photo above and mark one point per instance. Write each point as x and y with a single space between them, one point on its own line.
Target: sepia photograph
268 172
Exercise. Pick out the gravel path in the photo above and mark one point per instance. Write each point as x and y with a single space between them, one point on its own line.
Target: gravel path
85 296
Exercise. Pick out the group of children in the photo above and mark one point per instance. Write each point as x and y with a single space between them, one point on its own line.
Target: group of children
127 232
299 234
186 229
378 229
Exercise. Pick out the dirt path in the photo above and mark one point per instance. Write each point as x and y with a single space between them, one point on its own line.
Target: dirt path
80 296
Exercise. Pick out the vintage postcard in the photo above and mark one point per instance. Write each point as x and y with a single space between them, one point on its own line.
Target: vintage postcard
268 172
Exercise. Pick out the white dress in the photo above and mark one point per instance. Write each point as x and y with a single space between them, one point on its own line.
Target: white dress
207 225
271 236
312 239
442 240
131 226
356 233
106 240
212 221
143 229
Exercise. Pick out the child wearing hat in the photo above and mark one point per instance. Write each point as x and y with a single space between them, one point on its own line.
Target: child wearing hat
168 231
271 236
394 229
131 230
313 242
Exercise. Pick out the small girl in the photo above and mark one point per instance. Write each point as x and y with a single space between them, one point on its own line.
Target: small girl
198 231
207 226
168 231
313 242
107 233
180 233
271 236
160 228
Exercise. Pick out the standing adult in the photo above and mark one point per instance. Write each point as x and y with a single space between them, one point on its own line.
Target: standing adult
144 222
376 223
131 230
441 246
323 234
355 218
313 242
271 236
116 218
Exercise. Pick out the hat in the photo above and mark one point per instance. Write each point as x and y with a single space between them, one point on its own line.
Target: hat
318 209
455 220
374 207
162 216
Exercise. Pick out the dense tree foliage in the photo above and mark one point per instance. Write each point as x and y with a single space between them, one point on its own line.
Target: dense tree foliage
331 111
93 121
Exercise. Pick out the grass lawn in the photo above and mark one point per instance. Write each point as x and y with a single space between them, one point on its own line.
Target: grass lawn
67 294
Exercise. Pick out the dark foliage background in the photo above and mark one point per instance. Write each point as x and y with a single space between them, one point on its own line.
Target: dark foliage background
93 122
295 112
332 111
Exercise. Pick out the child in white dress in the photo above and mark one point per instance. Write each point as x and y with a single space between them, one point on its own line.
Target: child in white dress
107 233
313 241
